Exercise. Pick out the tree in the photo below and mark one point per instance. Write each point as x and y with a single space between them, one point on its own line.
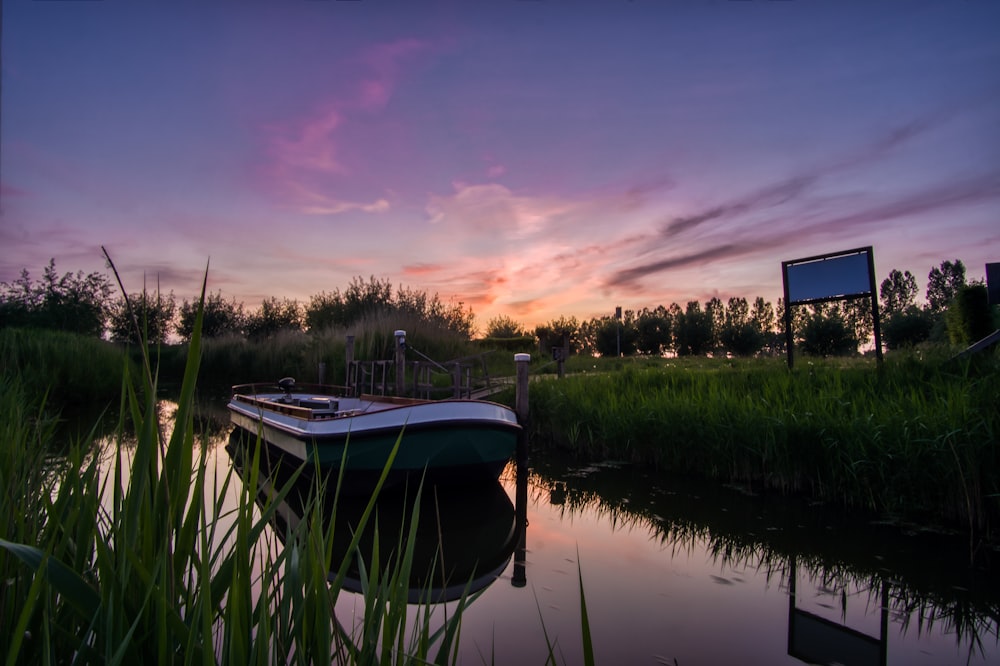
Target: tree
76 303
762 314
551 334
611 336
907 328
274 316
142 316
503 326
943 284
741 335
828 335
220 317
693 331
653 331
897 292
969 318
716 313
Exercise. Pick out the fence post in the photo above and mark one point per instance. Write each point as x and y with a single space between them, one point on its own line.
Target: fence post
400 362
350 372
521 391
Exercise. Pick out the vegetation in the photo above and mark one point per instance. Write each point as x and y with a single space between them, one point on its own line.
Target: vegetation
126 563
918 438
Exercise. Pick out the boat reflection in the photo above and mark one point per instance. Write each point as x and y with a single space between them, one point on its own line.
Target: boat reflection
463 537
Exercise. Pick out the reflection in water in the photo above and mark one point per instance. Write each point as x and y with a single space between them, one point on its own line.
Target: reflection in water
675 569
463 538
918 580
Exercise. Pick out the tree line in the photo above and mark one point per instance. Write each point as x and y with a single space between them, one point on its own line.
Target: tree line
955 311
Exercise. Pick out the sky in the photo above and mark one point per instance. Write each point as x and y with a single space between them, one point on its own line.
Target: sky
532 159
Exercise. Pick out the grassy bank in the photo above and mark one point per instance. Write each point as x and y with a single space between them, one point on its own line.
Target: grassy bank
917 438
71 370
142 562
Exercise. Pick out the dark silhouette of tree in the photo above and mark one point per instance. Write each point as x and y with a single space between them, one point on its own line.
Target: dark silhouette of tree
76 303
221 317
716 313
551 334
693 331
503 326
653 331
143 316
907 328
969 317
826 334
741 335
274 316
897 292
943 284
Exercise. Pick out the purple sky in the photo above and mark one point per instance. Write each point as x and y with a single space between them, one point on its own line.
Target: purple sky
532 159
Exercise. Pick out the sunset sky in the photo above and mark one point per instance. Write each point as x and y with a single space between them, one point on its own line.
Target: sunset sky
531 159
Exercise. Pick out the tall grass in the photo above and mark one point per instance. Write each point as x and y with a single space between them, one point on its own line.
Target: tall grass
916 439
73 370
146 564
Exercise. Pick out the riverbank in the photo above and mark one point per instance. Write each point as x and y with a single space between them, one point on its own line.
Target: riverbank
916 439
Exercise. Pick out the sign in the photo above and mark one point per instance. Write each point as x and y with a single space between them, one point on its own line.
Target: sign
993 283
828 277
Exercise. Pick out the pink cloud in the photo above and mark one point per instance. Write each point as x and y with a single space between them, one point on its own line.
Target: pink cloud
306 162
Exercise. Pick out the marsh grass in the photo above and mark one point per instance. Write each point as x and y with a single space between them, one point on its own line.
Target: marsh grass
916 438
144 563
70 370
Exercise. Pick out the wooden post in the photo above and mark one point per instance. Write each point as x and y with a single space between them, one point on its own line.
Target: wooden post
350 372
521 391
400 385
519 578
456 380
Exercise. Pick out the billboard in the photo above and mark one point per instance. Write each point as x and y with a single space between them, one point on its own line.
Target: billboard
993 283
831 276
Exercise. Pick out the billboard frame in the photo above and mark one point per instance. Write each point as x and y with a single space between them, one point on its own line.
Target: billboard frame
832 294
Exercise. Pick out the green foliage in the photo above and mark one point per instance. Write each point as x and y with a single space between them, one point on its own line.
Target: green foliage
693 331
220 317
969 317
943 284
142 316
73 303
503 326
914 438
907 328
612 337
131 555
72 370
374 298
828 335
552 333
898 292
274 317
653 331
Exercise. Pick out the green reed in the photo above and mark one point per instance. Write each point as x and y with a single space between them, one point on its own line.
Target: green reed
74 370
917 439
144 562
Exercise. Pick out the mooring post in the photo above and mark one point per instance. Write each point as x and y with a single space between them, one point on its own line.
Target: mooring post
350 372
400 362
521 391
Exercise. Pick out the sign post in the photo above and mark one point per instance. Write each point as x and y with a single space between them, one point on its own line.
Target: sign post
830 277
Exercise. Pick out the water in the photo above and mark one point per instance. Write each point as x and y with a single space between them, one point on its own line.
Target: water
687 573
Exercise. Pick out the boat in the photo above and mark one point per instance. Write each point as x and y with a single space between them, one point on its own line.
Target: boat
443 442
463 538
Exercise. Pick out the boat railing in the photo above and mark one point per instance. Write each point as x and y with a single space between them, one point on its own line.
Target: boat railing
464 377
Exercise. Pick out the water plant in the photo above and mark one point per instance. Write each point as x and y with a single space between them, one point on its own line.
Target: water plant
915 439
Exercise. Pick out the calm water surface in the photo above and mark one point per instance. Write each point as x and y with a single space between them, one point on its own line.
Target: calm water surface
677 572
